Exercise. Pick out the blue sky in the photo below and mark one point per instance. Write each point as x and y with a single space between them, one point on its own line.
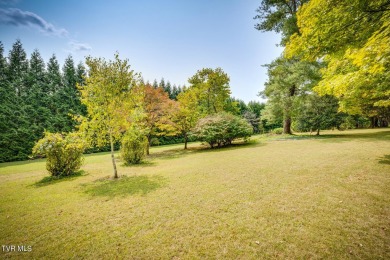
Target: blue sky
171 39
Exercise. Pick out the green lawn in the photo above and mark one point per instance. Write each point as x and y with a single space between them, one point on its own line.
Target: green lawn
280 197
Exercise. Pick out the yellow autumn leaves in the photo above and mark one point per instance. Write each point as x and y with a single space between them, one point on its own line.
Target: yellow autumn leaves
353 38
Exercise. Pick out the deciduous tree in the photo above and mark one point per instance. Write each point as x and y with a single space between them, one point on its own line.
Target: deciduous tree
287 80
158 110
186 115
353 38
107 96
279 16
212 89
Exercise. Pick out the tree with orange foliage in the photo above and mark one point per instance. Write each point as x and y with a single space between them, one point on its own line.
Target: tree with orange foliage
158 109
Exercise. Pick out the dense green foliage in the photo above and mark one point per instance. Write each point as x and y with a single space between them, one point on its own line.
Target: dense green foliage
353 39
279 16
211 87
337 48
34 97
63 152
277 131
221 129
133 146
316 113
288 81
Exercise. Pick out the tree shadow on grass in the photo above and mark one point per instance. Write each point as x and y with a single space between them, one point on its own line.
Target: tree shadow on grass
385 159
141 164
203 148
339 138
125 186
48 180
174 153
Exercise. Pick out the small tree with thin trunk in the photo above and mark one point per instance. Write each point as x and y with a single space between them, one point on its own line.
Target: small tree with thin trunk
186 115
107 94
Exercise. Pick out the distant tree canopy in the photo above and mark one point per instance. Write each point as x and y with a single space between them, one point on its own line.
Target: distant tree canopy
105 99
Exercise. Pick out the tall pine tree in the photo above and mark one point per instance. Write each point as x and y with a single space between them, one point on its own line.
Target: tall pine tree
16 138
54 85
36 102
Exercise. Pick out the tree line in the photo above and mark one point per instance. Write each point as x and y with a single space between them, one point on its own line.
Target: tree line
305 92
35 96
38 96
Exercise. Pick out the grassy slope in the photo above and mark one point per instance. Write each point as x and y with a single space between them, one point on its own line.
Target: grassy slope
326 197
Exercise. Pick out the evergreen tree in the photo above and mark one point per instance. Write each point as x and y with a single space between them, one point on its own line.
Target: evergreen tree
162 83
80 74
168 89
175 92
53 75
281 16
54 85
68 96
7 95
17 69
155 84
36 101
16 141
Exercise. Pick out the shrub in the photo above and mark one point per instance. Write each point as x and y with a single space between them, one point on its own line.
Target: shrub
133 146
63 152
221 129
277 131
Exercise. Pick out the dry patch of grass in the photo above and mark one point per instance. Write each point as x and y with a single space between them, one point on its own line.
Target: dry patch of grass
296 197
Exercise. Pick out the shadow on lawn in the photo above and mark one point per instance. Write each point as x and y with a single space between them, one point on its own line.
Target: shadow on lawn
125 185
144 163
385 159
48 180
204 148
338 138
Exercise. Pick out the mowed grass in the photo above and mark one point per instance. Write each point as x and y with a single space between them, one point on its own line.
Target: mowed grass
282 197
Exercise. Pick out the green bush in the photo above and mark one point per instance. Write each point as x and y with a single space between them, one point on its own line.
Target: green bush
63 152
221 129
133 146
277 131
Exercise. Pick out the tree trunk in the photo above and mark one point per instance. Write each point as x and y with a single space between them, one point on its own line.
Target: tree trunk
318 131
185 141
374 122
112 157
287 111
148 146
287 126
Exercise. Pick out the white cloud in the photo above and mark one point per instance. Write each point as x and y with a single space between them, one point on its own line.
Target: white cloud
17 17
78 46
